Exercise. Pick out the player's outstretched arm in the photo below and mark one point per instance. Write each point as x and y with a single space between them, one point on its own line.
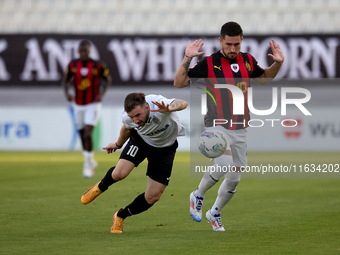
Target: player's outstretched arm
270 72
123 136
181 79
176 105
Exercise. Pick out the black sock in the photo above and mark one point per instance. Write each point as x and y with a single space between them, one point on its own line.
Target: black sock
137 206
107 180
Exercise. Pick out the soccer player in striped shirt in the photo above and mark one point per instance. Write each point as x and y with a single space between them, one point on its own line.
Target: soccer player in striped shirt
91 80
232 67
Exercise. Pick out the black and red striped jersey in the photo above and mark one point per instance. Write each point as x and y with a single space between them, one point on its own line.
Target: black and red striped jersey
216 69
86 79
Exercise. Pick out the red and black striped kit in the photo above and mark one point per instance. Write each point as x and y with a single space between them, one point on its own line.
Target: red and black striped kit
86 79
216 69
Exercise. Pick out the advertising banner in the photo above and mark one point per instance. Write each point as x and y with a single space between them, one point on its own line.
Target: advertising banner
53 128
41 59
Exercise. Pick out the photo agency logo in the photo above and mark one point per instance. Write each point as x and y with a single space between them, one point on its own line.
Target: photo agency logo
237 94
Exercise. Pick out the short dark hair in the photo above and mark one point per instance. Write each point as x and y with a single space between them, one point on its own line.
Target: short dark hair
84 43
133 100
231 28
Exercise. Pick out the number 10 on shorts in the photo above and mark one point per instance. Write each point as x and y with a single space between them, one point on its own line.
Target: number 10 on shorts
133 150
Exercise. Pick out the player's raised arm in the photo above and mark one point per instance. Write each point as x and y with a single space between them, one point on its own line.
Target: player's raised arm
181 79
270 72
176 105
123 136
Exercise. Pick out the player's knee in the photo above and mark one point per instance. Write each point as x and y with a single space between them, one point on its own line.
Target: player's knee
232 180
151 199
87 136
154 199
119 175
153 195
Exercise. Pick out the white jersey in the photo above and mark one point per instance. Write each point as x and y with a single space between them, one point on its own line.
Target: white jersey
161 129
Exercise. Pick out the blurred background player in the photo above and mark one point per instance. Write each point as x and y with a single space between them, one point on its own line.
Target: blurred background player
232 67
87 76
152 125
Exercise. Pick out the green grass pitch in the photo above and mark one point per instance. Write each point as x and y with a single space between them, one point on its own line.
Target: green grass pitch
41 212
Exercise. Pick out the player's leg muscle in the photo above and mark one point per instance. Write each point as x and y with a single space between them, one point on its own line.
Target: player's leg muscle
154 191
122 170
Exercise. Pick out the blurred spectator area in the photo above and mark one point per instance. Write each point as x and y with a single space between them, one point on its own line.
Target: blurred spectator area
168 16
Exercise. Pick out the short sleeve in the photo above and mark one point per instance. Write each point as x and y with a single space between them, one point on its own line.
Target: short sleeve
200 70
257 71
69 73
104 71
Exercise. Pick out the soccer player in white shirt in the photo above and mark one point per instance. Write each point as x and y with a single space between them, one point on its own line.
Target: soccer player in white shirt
151 124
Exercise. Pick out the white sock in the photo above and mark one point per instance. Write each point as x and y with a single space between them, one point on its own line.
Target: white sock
88 156
226 191
221 165
211 178
206 183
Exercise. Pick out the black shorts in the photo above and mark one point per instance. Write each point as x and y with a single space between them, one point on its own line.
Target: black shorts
160 160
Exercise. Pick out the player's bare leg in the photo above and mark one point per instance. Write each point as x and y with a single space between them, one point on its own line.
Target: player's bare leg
154 191
87 137
122 170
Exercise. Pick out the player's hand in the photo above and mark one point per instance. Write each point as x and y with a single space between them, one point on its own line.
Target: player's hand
277 52
192 50
162 107
112 147
70 98
98 98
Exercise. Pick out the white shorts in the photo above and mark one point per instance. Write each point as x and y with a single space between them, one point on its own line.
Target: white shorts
237 143
87 114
